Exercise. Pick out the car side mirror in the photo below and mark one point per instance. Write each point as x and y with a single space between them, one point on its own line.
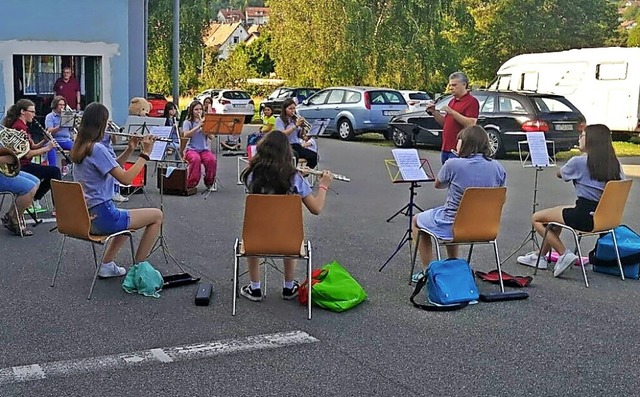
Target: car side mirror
305 102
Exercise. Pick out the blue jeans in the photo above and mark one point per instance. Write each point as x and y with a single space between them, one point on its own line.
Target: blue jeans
108 219
19 185
52 155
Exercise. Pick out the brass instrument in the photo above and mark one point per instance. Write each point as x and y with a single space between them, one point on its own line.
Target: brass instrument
306 125
307 170
51 139
15 144
113 127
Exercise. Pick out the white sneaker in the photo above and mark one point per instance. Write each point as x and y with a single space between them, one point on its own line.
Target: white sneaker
111 270
119 198
212 188
37 205
564 261
530 260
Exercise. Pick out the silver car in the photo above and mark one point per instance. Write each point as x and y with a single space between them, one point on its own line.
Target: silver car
354 110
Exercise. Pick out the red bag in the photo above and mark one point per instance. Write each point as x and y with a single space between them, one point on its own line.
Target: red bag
303 293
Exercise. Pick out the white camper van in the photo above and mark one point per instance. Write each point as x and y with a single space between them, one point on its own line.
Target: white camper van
603 83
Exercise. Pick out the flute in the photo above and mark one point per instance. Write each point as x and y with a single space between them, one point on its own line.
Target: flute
337 177
118 133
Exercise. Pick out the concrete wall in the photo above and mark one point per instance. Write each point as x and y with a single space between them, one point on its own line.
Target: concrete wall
112 29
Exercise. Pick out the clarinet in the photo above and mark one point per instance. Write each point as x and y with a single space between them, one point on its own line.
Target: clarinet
50 138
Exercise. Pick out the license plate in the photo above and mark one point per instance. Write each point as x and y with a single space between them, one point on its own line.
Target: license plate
564 127
390 112
239 106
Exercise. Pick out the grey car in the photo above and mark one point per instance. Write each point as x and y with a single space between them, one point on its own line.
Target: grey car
354 110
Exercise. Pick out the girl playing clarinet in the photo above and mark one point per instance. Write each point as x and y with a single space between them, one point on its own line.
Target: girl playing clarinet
198 150
97 170
271 171
52 123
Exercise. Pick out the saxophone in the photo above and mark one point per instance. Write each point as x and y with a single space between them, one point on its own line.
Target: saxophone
13 143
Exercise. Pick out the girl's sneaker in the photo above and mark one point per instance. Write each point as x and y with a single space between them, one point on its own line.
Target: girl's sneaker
290 293
254 295
111 270
531 258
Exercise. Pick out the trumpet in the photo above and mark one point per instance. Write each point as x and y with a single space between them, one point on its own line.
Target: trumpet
307 170
306 125
121 133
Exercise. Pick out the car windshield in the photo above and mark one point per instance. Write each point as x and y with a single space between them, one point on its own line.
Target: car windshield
419 96
235 95
386 98
551 105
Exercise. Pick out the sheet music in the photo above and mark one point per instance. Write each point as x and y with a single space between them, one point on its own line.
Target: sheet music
409 164
159 147
318 127
538 149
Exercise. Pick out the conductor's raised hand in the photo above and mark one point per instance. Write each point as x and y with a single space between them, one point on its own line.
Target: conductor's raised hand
326 178
147 143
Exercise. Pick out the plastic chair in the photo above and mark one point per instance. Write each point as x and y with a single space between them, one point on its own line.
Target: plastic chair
477 222
607 216
272 228
72 218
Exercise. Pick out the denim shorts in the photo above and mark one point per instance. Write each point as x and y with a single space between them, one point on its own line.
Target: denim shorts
108 219
20 184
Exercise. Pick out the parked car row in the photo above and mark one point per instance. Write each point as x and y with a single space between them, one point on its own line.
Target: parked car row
229 102
507 116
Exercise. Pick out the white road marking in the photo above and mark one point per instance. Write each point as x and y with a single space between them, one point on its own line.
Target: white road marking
44 220
165 355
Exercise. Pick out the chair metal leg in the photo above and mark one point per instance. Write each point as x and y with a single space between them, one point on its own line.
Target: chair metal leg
133 255
584 270
414 258
95 274
55 272
544 238
235 282
615 245
264 279
309 278
470 252
495 250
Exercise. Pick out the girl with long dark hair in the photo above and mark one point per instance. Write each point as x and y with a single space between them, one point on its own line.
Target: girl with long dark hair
589 173
198 150
271 171
290 125
97 170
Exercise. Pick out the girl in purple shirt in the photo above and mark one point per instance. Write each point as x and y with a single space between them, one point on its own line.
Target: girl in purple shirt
96 169
271 171
472 168
198 150
589 174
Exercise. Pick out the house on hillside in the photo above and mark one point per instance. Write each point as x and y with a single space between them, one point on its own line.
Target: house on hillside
104 43
229 15
224 36
253 32
256 15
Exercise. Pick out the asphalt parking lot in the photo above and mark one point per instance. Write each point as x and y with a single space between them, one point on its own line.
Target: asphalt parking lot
564 340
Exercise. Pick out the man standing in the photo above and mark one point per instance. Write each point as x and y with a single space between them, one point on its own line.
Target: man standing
462 111
67 86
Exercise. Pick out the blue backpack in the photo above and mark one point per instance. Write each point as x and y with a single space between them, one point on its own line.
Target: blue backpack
450 285
603 256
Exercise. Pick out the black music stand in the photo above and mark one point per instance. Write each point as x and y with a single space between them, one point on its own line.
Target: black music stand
220 124
528 162
395 175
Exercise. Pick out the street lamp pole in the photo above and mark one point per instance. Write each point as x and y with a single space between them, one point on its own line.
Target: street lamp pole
176 52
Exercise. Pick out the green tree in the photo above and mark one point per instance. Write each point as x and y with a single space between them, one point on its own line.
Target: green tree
633 38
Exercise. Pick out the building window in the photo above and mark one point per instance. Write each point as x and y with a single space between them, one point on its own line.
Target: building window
236 39
40 72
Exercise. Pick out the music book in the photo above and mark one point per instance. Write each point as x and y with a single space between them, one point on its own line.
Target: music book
538 149
159 147
409 164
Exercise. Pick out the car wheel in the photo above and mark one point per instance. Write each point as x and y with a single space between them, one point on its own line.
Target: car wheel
247 119
345 130
495 144
400 138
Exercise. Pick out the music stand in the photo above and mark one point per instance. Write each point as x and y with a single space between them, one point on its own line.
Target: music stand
71 119
537 156
221 124
399 174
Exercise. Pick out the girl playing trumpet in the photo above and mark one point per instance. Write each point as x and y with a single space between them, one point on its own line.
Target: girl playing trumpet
271 171
290 125
97 170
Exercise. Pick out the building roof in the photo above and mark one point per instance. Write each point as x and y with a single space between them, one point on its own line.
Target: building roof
218 33
254 29
231 14
256 12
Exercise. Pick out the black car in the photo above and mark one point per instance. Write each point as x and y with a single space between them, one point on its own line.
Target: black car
506 115
277 97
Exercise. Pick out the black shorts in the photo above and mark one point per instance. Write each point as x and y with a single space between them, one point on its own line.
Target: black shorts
580 217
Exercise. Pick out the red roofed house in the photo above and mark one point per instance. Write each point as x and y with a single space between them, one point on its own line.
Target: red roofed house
229 15
256 15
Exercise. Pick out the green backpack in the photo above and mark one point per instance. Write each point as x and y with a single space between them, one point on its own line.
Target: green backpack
333 288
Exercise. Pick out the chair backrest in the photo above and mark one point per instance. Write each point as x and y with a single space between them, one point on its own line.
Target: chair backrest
72 216
272 224
479 213
608 214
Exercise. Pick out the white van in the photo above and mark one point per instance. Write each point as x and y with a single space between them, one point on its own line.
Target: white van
603 83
